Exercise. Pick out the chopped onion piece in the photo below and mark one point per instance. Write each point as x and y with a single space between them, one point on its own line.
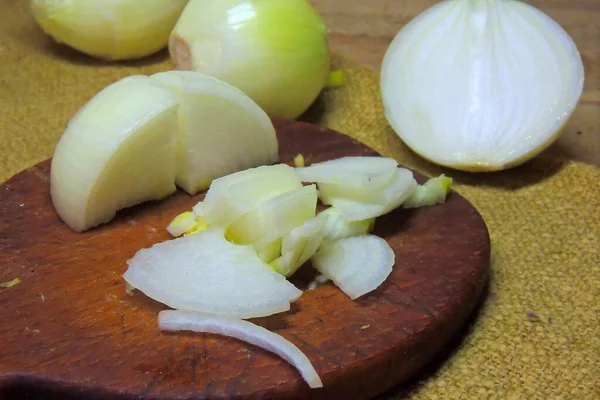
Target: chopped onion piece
400 182
270 251
338 227
181 224
204 272
174 320
367 173
275 217
434 191
319 280
232 196
357 265
385 201
299 245
299 161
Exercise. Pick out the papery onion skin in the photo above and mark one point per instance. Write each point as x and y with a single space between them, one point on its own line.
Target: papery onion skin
480 85
276 51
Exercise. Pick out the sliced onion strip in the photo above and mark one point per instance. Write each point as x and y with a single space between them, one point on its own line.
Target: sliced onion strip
175 320
357 265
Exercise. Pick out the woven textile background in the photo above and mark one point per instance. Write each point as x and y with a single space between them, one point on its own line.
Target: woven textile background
537 334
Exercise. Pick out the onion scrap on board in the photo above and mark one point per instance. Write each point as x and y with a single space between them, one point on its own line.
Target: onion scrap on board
231 254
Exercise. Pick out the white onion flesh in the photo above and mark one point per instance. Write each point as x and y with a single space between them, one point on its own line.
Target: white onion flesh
480 85
140 137
119 150
275 217
205 272
357 265
234 195
172 320
434 191
371 204
299 245
399 184
181 224
364 173
221 130
269 251
338 227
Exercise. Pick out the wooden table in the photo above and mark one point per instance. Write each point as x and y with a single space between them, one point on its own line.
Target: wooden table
362 30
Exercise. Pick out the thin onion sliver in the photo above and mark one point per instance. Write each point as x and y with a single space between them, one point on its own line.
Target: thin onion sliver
176 320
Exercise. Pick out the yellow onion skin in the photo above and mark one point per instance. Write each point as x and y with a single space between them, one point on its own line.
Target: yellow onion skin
275 51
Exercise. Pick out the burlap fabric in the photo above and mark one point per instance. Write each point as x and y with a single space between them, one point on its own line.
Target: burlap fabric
536 335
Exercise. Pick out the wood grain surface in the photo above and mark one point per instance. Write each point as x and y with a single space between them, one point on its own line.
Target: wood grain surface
70 331
363 29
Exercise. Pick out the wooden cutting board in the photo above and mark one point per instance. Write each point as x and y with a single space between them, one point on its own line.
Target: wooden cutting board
69 330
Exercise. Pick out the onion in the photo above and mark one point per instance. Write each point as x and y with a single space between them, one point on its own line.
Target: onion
181 224
276 51
117 151
359 205
139 137
232 196
205 272
113 30
357 265
269 251
299 245
364 173
338 227
171 320
221 130
434 191
480 85
275 217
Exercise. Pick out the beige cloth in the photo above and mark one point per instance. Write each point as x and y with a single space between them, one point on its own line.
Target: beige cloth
538 333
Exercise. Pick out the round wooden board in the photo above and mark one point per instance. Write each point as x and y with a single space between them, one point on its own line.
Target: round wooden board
69 330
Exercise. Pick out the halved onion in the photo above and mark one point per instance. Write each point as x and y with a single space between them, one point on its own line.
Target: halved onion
172 320
232 196
357 265
205 272
374 204
357 172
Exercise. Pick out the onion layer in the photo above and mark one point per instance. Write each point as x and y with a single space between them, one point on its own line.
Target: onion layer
171 320
205 272
357 265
